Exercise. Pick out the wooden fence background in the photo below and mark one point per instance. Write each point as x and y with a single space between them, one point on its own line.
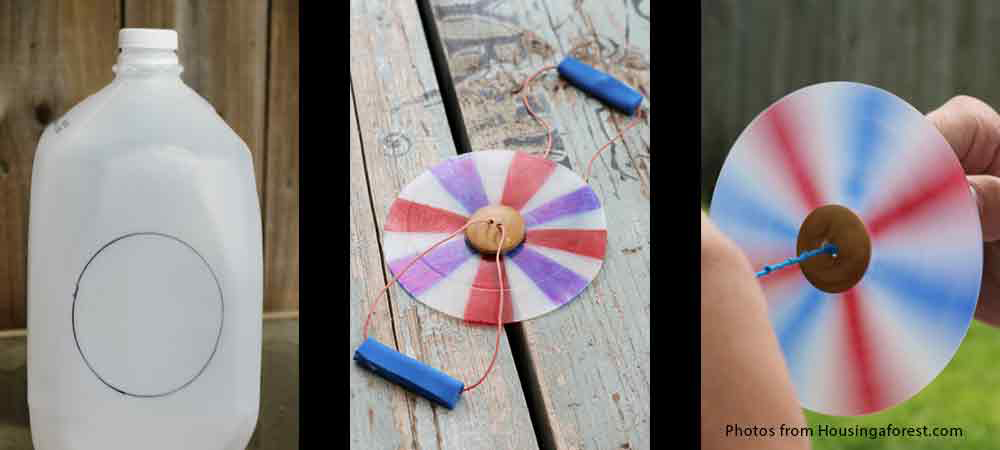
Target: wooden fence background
755 52
241 55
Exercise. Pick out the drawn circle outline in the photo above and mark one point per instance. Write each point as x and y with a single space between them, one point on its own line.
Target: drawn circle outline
218 338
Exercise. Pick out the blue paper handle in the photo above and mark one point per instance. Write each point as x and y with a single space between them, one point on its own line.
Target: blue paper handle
601 85
409 373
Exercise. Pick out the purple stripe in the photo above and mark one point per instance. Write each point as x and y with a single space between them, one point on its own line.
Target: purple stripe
578 201
461 179
557 282
431 268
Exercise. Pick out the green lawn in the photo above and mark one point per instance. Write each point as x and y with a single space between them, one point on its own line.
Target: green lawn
966 394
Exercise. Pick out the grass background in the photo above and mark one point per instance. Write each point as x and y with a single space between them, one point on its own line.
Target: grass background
966 394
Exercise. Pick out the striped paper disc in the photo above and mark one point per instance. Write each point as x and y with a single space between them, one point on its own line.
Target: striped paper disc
880 342
565 236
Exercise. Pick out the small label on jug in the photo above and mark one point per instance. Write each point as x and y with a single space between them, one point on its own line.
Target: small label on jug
62 124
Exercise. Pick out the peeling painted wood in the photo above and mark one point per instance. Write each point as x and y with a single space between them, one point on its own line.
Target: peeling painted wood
592 356
380 412
404 131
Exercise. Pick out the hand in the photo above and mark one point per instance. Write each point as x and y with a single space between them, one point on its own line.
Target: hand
744 379
973 129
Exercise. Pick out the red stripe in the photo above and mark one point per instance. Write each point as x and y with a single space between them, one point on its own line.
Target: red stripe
591 243
777 279
413 217
485 293
780 275
525 176
790 151
930 189
860 355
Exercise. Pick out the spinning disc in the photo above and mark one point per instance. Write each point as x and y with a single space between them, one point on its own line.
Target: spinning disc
859 333
564 239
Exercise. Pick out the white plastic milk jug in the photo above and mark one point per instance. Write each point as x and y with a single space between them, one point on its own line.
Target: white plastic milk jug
144 268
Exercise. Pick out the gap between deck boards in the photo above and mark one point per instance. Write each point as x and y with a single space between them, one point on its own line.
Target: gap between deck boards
530 386
449 96
378 232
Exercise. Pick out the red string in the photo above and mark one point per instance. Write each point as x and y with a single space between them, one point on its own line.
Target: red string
496 349
638 117
549 131
503 236
503 233
386 287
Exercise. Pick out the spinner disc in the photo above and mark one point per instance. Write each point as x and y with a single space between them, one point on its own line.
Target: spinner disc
868 329
563 246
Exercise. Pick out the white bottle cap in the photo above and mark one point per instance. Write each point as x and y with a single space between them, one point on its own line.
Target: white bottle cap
147 38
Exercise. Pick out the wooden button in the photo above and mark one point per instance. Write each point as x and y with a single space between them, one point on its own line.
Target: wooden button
485 237
840 226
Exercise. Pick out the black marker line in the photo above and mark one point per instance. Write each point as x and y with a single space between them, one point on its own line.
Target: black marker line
222 318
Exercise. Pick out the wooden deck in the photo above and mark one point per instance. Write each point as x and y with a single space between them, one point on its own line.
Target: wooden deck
579 377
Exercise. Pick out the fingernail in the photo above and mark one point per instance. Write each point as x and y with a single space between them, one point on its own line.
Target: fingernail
976 198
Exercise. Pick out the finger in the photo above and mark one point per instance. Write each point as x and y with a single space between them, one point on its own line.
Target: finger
972 128
717 250
745 377
988 308
987 190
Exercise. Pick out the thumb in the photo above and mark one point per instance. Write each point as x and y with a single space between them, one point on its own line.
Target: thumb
987 193
972 128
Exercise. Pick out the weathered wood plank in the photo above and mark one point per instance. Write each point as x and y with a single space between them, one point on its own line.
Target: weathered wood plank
404 131
53 54
591 358
223 48
281 218
277 427
380 412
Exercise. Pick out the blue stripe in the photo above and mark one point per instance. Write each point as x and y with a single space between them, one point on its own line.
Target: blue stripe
737 207
808 308
866 138
460 178
558 283
940 301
